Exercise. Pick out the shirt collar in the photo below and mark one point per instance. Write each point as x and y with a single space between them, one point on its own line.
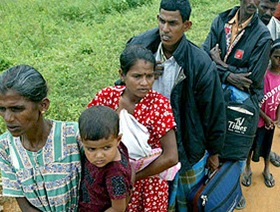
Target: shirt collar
162 56
234 20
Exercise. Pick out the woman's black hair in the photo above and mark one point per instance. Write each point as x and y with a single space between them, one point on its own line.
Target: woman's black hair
133 53
26 81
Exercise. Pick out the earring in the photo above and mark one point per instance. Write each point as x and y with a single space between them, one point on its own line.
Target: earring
43 112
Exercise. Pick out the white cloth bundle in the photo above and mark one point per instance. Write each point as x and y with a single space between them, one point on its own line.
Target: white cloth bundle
135 137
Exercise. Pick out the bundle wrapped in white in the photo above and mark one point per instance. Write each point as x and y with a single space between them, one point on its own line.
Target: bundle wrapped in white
135 136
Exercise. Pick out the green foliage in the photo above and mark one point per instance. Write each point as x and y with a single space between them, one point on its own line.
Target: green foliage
76 44
4 64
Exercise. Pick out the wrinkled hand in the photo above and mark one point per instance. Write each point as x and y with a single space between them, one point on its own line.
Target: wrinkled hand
213 162
240 81
215 53
158 70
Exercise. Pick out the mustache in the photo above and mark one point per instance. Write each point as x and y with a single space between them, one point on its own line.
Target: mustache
252 7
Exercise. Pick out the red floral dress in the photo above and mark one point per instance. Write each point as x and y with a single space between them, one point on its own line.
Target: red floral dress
154 112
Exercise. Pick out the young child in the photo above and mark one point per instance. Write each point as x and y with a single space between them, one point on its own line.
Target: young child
106 172
268 119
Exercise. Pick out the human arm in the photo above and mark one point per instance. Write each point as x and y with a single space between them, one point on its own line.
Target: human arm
118 205
119 182
215 54
255 63
213 162
215 47
252 68
277 122
211 109
25 205
269 124
252 57
239 80
212 38
167 159
10 182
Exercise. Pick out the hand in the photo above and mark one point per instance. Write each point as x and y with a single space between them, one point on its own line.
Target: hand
213 162
241 81
158 70
215 54
269 124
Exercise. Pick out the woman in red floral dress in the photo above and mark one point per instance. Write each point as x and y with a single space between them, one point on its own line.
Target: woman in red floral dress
152 110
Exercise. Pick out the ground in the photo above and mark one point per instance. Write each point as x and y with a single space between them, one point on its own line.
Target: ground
259 197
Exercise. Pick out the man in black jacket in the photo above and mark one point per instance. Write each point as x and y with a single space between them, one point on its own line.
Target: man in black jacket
190 80
239 43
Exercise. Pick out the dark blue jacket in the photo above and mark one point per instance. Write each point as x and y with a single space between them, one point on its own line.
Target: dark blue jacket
196 100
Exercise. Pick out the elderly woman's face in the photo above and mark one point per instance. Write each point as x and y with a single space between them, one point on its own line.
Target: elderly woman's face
20 115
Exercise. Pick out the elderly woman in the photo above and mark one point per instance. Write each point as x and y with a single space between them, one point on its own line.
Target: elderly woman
39 158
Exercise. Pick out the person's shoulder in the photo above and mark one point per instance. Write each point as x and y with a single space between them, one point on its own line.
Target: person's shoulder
258 26
5 140
5 136
115 88
262 30
274 22
228 14
148 33
188 52
199 55
69 127
67 123
147 38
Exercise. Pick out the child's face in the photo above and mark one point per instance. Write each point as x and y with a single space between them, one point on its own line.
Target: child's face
103 151
275 59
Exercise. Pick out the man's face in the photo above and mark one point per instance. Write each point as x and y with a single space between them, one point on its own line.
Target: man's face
171 28
249 6
266 10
